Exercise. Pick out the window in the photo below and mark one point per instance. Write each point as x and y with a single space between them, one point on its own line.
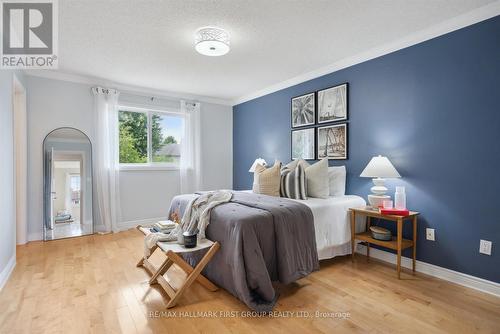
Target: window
150 138
133 137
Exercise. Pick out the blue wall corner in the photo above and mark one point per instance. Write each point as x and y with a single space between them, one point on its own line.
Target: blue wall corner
434 110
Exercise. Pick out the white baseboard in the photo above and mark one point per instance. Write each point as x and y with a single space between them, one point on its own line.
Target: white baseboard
122 226
35 236
133 223
5 274
436 271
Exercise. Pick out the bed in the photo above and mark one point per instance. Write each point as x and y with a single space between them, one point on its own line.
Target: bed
267 239
332 223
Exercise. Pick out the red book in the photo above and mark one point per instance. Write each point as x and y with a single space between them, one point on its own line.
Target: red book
394 212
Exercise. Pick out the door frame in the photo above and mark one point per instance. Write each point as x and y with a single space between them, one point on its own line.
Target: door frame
20 126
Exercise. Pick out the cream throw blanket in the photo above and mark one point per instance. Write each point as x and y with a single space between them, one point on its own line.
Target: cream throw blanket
196 217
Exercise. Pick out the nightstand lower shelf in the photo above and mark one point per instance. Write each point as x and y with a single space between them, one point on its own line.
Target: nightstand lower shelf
392 244
397 243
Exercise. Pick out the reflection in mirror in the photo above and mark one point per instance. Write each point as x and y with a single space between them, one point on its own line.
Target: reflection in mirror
67 184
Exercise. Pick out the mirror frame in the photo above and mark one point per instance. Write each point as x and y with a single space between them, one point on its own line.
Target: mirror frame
45 183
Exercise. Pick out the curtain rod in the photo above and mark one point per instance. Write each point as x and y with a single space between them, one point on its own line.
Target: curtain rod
152 98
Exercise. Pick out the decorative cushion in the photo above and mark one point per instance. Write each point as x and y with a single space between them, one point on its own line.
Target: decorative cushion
293 181
317 179
336 180
266 181
292 164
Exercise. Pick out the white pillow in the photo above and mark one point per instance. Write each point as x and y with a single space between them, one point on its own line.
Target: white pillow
336 180
317 179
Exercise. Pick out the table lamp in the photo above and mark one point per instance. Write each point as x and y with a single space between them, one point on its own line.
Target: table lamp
258 161
379 168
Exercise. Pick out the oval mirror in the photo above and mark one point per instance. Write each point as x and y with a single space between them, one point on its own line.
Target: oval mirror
67 184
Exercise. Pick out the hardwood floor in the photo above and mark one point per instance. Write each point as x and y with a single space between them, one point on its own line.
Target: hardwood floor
91 285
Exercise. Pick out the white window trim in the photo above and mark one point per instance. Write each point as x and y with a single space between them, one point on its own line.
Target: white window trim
149 166
152 167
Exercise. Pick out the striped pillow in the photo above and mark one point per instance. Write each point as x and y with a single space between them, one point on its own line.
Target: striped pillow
293 181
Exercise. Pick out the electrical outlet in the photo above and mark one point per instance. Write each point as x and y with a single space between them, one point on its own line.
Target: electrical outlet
485 247
429 234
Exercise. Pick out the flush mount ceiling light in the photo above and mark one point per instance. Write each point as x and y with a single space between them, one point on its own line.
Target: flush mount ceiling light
212 41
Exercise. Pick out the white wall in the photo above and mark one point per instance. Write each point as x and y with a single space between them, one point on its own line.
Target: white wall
51 104
217 146
144 194
7 190
147 194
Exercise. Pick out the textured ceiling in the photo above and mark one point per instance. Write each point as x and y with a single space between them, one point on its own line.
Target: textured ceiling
150 43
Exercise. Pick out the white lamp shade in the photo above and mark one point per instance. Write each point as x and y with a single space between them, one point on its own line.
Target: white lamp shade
212 41
258 161
380 167
212 48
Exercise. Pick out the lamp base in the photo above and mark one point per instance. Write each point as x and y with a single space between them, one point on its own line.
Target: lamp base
377 201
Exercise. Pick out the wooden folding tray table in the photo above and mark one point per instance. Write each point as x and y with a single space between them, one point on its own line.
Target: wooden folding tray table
172 250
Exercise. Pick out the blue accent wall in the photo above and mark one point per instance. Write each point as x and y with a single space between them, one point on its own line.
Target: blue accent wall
434 110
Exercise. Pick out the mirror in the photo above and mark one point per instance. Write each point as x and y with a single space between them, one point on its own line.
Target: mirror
67 184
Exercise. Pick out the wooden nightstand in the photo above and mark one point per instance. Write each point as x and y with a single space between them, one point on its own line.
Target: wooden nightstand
397 243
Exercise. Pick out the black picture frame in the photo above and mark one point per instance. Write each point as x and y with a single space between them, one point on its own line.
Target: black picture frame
295 106
339 140
312 150
341 100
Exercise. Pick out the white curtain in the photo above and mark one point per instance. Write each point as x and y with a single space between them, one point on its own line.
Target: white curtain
106 158
190 164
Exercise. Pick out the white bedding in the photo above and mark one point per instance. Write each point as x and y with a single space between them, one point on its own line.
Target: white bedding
332 223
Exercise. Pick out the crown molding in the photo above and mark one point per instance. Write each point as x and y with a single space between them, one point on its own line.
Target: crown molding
124 88
458 22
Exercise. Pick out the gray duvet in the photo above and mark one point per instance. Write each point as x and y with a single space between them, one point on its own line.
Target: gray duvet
263 239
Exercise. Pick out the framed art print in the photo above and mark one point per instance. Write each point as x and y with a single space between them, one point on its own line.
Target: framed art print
303 110
303 144
332 142
332 104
